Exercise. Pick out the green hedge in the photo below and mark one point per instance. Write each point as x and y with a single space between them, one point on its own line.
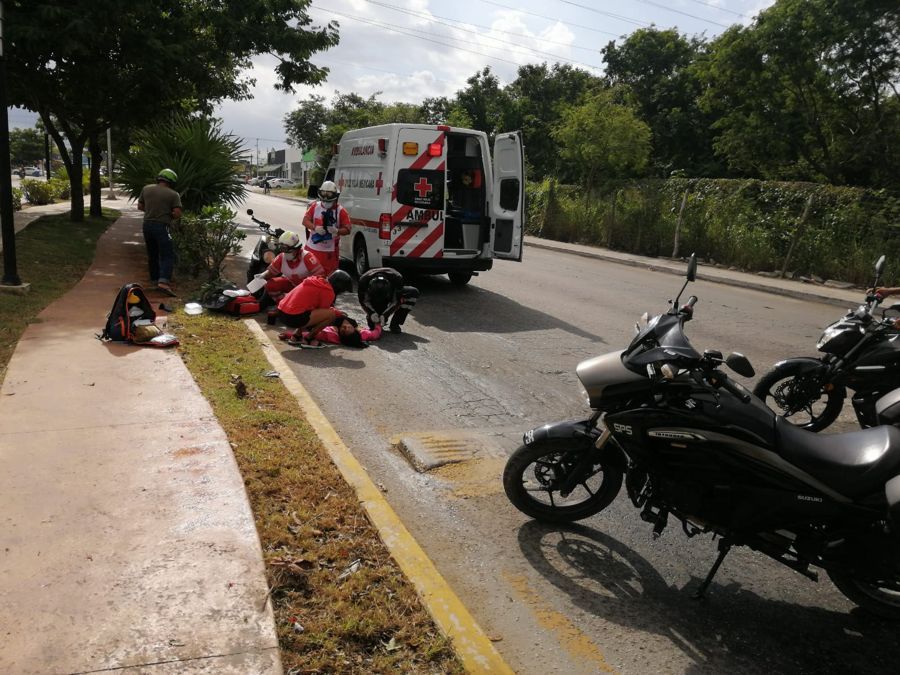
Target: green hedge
37 192
746 224
17 199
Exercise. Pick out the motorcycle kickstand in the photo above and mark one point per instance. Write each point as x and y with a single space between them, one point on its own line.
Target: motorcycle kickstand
724 548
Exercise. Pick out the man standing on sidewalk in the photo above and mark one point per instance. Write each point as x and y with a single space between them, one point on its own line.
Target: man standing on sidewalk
161 206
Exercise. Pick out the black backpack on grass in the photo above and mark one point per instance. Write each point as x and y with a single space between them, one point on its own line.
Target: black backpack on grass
120 322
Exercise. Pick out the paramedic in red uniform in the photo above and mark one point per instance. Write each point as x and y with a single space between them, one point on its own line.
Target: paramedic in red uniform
292 265
325 222
310 305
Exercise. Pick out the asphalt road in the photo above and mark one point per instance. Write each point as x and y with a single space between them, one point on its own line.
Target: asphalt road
477 366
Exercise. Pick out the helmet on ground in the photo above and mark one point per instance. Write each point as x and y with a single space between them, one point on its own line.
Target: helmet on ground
340 281
328 191
167 175
289 240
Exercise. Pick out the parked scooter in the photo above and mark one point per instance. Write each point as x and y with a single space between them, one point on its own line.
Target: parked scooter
690 443
265 250
861 353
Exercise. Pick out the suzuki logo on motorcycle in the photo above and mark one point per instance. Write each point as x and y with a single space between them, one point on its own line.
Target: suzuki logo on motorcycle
690 403
622 428
807 498
529 437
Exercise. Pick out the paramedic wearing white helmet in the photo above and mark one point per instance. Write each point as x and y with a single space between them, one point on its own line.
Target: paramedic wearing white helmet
291 266
325 222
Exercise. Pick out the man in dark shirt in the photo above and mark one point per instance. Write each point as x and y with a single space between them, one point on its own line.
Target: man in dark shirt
382 295
161 206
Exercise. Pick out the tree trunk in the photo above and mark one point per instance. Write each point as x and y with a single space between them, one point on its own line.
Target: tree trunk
96 163
72 162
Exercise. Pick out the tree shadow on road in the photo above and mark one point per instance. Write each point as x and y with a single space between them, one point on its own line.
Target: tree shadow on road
733 630
472 309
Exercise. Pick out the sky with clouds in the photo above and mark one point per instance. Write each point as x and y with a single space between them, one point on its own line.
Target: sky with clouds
409 50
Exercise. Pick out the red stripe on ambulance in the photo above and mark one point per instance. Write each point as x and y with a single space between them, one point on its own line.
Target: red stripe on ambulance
400 240
428 242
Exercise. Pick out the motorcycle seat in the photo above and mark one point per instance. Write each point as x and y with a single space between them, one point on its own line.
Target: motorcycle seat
854 464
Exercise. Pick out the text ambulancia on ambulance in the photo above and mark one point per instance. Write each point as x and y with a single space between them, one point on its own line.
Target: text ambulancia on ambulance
430 199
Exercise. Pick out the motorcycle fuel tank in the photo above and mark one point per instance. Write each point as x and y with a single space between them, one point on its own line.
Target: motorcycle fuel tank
599 373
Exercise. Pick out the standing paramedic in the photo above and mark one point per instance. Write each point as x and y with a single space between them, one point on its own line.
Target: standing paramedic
161 206
325 221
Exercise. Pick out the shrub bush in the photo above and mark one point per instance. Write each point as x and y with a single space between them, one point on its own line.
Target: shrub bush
197 150
17 199
37 192
61 188
747 224
203 240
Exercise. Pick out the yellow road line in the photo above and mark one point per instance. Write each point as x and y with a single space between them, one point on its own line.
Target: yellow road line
475 650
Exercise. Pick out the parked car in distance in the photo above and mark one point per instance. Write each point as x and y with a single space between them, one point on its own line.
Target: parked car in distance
281 182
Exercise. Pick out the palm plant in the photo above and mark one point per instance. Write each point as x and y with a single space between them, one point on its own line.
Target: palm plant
196 148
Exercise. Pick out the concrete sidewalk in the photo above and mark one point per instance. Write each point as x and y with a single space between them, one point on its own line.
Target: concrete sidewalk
839 297
126 538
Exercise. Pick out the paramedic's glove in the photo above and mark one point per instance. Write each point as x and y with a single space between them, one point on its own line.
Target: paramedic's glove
375 318
320 230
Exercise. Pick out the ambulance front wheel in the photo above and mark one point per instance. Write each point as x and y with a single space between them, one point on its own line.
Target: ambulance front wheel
360 257
460 278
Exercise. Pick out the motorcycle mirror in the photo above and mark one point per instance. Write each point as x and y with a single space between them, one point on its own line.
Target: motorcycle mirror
740 364
692 267
249 212
879 266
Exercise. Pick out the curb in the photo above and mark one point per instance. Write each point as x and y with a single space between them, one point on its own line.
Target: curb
472 646
654 267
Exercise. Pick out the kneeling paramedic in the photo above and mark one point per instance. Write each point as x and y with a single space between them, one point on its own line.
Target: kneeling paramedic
310 305
291 266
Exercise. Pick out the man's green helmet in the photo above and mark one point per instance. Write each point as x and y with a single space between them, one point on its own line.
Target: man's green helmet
168 175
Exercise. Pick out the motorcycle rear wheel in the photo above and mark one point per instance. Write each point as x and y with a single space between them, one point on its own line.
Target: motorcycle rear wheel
870 596
539 469
797 396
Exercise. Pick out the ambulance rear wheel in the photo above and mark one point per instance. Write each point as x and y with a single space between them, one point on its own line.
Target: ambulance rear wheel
360 257
460 278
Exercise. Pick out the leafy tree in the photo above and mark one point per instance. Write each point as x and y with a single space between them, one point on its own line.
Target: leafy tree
305 125
809 92
536 99
603 139
483 101
659 68
85 65
197 150
25 146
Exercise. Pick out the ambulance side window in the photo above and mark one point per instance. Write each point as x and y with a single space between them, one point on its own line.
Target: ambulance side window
420 188
509 194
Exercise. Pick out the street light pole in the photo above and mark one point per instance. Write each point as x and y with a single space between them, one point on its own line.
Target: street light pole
7 224
109 163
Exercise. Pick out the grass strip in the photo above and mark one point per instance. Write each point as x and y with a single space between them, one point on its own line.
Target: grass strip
52 254
341 603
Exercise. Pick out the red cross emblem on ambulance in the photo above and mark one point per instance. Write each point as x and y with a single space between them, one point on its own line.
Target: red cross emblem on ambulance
423 187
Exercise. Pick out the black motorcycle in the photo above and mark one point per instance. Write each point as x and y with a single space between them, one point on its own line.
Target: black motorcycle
691 444
265 250
861 353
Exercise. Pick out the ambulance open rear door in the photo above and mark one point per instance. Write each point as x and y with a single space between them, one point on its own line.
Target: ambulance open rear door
508 198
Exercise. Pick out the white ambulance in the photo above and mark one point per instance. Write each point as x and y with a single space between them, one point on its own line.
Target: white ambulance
428 199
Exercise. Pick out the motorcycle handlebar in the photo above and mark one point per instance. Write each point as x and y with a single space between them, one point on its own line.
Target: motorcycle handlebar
738 390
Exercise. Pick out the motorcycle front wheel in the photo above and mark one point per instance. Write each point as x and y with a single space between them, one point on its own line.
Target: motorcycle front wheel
881 598
800 397
535 473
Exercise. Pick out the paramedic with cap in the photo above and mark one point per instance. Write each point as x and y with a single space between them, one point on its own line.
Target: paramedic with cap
292 265
382 295
161 206
325 222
